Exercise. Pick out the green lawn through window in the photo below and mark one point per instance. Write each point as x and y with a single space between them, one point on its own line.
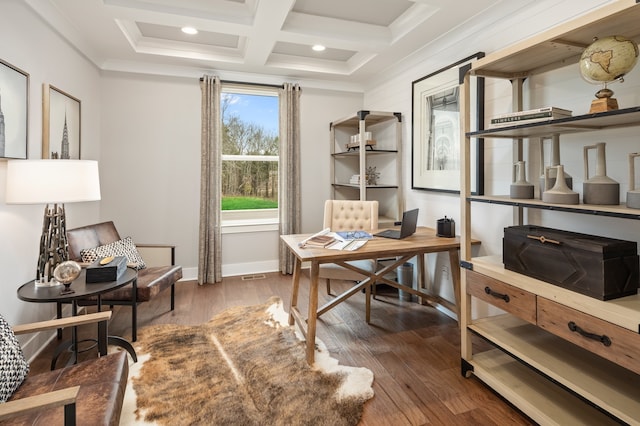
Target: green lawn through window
248 203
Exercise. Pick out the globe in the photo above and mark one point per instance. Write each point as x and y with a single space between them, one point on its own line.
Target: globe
67 271
608 59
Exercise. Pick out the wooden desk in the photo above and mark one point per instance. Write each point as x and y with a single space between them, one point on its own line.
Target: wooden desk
423 241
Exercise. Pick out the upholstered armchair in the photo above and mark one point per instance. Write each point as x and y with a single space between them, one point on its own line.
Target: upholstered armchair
349 215
91 392
103 239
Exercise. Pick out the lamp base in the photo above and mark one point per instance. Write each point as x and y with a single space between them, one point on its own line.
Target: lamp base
53 242
43 283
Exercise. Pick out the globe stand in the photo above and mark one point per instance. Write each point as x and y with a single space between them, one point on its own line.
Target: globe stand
67 289
604 102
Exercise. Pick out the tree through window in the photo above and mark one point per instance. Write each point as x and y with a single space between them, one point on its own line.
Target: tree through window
250 148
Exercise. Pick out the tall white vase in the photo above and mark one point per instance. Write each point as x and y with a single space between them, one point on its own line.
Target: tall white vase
555 161
560 193
633 195
520 188
599 189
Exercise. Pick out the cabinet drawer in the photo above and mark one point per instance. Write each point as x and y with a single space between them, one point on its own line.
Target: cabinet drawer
506 297
610 341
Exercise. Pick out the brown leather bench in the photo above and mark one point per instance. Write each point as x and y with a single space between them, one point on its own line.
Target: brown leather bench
88 393
151 280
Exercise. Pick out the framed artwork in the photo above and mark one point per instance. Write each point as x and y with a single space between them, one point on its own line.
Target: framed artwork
14 111
436 137
60 124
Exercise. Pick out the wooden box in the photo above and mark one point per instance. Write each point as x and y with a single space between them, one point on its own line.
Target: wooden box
97 273
603 268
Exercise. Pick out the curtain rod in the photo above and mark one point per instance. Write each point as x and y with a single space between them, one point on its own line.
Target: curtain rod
277 86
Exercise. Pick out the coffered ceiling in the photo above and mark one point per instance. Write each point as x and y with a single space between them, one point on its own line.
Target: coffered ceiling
272 37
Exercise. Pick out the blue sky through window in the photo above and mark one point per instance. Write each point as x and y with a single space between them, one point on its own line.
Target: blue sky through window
258 109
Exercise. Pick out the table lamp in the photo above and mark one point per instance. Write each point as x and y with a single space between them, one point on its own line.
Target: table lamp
52 182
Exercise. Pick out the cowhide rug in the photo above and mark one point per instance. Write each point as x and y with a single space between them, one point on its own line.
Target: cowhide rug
245 366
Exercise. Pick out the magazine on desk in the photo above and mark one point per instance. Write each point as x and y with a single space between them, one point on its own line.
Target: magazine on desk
351 240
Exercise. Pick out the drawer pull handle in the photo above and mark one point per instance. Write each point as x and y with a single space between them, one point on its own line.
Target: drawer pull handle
543 239
504 297
602 339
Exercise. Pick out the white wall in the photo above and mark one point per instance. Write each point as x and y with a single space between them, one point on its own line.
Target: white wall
31 46
150 154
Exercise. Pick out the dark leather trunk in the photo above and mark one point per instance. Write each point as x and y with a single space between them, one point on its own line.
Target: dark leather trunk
603 268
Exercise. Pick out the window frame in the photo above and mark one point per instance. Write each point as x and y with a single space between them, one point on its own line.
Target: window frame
253 220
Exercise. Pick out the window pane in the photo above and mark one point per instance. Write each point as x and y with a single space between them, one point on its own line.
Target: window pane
250 128
249 185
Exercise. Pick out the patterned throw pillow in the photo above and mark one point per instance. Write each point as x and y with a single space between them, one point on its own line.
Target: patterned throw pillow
124 247
13 365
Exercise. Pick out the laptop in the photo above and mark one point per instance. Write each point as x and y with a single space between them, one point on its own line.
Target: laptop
408 227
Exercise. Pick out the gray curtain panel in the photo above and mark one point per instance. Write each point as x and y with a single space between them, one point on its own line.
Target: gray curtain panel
289 194
210 239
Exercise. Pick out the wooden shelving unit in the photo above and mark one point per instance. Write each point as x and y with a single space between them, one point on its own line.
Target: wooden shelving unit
385 156
553 374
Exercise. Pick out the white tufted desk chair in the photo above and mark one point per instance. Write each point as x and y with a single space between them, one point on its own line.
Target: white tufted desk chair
349 215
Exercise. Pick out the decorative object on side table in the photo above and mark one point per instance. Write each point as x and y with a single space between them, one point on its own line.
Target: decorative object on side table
560 193
106 269
520 188
633 195
600 188
52 182
604 61
65 273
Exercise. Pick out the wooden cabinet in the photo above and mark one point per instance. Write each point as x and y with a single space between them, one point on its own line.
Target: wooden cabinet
559 356
369 141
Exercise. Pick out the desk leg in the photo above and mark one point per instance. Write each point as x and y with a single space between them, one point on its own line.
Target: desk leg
294 290
454 261
422 278
313 313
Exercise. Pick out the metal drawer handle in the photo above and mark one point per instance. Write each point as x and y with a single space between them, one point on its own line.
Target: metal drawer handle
504 297
576 329
543 239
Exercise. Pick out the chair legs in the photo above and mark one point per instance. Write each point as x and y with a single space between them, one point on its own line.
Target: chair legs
328 286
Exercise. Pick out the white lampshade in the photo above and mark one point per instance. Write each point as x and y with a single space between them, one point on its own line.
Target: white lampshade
52 181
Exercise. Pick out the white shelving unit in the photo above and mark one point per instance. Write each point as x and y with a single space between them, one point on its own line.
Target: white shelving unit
553 374
385 155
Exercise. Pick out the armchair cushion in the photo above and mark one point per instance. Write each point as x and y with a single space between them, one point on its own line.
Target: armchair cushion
13 365
124 247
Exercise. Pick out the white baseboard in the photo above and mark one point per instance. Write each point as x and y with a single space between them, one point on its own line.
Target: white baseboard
250 268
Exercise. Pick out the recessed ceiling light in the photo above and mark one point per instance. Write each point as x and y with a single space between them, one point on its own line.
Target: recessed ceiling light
189 30
318 47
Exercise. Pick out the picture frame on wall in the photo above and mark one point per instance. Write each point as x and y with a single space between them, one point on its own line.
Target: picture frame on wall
436 155
61 124
14 111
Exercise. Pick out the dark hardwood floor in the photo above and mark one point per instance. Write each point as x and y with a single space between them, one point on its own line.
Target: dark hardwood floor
413 350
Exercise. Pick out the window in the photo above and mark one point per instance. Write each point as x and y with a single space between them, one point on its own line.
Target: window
250 117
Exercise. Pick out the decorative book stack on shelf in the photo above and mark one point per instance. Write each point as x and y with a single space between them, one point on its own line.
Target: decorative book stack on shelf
530 116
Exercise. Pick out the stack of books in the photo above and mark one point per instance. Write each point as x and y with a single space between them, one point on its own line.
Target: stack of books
355 180
320 241
530 116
